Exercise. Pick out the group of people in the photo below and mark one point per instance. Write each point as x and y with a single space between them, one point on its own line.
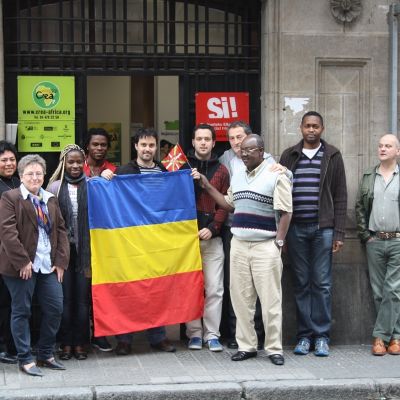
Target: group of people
249 210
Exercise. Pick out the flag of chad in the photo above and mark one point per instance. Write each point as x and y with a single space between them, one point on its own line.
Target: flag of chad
146 264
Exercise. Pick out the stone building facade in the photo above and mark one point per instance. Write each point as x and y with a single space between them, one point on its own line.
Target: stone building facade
332 56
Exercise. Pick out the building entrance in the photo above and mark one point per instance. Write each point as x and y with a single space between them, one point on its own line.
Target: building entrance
201 45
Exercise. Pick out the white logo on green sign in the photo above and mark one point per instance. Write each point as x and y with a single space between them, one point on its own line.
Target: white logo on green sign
46 95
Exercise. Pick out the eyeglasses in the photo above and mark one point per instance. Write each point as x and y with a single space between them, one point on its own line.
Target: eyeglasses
250 150
32 174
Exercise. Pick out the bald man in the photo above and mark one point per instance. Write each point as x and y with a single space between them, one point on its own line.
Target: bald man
378 224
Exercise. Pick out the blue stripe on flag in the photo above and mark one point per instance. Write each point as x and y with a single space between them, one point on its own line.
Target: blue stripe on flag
142 200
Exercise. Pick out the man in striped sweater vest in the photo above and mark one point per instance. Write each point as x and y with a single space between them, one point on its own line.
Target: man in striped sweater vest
262 205
316 231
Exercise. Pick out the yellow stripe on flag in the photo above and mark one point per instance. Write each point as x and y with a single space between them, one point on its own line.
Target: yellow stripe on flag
144 252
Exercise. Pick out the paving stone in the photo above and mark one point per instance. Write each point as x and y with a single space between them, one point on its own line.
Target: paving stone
349 370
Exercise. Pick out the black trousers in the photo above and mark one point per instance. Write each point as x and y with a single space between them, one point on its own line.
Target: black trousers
6 340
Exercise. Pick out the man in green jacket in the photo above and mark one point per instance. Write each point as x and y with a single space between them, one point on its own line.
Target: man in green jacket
378 225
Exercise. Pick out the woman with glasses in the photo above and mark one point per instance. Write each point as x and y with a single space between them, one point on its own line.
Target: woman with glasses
33 257
68 183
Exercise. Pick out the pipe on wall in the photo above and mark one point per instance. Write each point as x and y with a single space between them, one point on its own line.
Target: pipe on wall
2 95
394 56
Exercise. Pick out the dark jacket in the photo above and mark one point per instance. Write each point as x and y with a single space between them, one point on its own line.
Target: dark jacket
7 184
133 168
332 190
209 214
19 233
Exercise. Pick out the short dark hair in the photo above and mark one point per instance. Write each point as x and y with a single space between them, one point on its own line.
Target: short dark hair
240 124
7 146
312 114
204 126
145 132
96 132
259 140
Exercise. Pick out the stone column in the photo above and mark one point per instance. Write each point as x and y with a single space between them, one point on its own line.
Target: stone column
270 64
2 110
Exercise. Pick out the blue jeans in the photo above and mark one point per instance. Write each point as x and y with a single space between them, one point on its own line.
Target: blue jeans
154 336
50 297
310 253
75 322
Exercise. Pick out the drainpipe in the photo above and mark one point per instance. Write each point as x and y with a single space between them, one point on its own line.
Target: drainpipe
2 99
394 33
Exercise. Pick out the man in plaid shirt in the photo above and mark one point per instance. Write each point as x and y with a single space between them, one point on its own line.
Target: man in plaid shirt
210 219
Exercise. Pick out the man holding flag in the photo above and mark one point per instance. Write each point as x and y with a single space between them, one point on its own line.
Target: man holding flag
210 218
146 147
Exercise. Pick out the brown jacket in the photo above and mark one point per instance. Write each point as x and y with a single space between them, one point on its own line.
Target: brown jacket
19 233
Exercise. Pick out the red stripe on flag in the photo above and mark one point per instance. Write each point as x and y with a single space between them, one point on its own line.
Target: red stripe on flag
135 306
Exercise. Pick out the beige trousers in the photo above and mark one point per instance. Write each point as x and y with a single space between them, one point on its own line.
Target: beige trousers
256 269
212 256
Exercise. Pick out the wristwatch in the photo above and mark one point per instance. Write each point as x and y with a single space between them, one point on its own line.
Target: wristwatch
279 243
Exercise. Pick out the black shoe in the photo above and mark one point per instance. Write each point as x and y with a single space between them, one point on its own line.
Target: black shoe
102 344
277 359
65 353
232 344
123 349
243 355
164 345
7 358
80 353
32 371
50 363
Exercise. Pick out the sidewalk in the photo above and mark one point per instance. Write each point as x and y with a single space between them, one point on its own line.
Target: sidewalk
350 372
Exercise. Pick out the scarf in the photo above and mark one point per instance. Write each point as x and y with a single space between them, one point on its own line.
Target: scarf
42 214
83 245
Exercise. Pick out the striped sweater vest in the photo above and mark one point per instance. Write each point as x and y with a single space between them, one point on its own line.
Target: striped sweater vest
254 218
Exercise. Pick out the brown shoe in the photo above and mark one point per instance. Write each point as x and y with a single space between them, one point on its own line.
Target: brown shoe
394 347
378 347
164 345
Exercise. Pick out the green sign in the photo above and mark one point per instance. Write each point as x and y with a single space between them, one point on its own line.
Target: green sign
46 98
40 136
46 113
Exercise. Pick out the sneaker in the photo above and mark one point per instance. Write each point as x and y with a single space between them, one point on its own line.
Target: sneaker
8 358
321 347
303 347
102 344
214 345
195 343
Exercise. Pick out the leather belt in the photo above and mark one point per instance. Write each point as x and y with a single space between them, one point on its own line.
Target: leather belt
387 235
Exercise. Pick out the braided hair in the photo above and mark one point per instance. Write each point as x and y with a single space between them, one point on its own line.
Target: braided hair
59 172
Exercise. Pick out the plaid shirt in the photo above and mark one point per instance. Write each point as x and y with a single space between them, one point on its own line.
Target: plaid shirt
205 203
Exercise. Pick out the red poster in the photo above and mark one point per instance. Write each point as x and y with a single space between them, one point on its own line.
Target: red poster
219 109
